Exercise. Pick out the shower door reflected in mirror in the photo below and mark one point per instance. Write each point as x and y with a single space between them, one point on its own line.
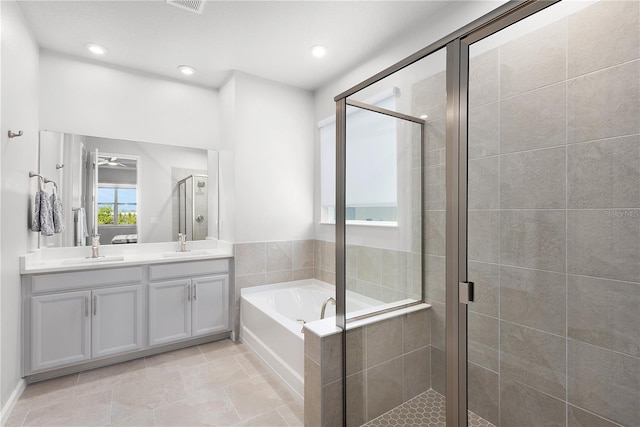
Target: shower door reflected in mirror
554 218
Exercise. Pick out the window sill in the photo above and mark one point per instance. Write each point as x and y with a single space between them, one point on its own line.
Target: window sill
383 224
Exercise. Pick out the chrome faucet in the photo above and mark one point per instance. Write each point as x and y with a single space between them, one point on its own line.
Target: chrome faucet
95 244
324 306
182 238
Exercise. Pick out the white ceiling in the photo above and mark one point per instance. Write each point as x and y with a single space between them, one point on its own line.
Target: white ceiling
270 39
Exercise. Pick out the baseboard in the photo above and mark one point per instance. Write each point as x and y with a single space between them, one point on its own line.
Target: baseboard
13 399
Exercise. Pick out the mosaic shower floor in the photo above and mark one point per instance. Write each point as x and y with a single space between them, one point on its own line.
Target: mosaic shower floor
424 410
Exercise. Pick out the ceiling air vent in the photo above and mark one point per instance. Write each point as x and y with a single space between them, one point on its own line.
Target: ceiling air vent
196 6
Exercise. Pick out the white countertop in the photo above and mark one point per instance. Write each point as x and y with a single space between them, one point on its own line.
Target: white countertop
50 260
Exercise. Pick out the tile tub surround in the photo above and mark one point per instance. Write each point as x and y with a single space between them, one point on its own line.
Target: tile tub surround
383 274
554 226
387 365
218 383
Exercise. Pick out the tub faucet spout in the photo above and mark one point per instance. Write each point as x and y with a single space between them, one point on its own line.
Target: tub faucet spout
324 305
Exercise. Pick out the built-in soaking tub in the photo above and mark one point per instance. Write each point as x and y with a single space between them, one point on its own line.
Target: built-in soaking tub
271 322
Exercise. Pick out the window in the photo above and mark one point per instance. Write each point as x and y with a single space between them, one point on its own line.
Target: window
371 175
117 205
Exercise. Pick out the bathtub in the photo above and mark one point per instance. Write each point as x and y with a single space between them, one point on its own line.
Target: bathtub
269 322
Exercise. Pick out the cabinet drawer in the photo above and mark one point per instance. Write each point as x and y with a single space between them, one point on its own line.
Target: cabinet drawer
188 269
84 279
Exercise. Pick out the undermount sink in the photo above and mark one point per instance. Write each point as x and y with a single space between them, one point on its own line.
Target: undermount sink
178 254
90 260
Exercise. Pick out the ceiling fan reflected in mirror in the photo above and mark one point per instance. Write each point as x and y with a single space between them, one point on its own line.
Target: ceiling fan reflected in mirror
103 161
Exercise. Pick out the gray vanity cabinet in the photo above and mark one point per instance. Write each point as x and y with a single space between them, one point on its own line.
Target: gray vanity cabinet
117 320
78 316
186 308
194 302
75 320
60 329
209 305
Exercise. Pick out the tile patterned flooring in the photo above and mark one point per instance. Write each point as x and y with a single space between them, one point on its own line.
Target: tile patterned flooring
214 384
425 410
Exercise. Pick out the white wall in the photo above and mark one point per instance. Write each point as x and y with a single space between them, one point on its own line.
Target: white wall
19 111
447 20
273 153
89 99
227 160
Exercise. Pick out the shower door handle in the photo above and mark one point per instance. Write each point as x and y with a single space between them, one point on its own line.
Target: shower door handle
465 292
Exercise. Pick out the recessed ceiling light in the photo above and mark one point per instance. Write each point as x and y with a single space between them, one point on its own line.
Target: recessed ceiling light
318 51
424 116
187 70
96 48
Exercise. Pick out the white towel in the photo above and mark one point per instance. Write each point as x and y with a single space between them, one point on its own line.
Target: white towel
81 227
58 213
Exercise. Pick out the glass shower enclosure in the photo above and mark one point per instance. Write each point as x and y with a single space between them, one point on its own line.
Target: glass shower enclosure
193 202
516 163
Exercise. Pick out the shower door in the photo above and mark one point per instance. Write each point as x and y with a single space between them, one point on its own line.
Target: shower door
553 218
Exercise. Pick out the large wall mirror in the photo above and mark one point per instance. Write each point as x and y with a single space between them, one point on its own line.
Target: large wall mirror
128 191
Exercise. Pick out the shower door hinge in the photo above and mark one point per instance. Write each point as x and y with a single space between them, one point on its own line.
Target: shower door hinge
465 292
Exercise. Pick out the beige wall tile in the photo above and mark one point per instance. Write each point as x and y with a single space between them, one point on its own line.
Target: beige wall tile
483 232
484 184
484 395
533 298
370 264
250 258
534 358
483 341
536 119
384 387
580 418
604 174
416 330
604 382
279 276
533 239
302 254
605 244
416 372
383 341
604 104
603 35
279 256
524 406
483 77
533 179
605 313
523 68
484 129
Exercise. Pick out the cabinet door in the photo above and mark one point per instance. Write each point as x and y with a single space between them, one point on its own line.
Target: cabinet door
117 320
210 305
169 311
60 329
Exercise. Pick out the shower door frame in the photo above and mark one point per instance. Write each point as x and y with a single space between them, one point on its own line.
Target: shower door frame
457 77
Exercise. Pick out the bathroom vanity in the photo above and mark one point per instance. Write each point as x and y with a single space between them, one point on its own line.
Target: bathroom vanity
81 313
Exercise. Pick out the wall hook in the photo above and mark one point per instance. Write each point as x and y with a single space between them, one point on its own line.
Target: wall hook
59 166
13 134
